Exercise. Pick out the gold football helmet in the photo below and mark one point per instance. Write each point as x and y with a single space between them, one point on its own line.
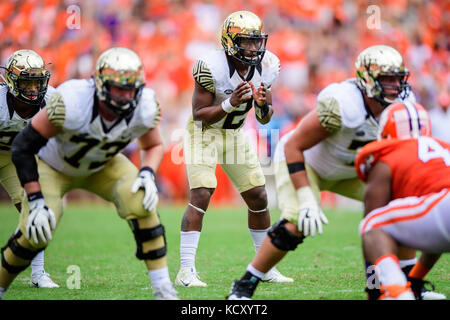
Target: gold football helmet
378 61
122 68
243 37
26 77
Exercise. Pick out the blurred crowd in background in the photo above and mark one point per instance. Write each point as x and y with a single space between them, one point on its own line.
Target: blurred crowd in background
317 42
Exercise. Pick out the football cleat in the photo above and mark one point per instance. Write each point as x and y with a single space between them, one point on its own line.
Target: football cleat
242 290
188 277
273 275
396 292
422 293
42 280
165 292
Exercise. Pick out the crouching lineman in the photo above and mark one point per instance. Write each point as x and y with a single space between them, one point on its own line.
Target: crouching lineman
407 198
78 137
24 92
319 155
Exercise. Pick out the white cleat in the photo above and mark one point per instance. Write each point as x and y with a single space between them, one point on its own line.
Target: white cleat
396 292
188 277
42 280
273 275
431 295
165 292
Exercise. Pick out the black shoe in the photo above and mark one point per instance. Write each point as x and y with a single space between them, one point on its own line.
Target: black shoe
422 293
373 294
242 290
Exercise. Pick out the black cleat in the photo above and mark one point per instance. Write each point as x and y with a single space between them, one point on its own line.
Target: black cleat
242 290
422 293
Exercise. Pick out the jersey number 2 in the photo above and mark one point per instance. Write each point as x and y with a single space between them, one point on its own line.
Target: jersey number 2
431 149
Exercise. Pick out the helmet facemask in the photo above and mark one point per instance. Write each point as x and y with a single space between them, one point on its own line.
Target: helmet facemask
250 49
31 89
380 90
120 105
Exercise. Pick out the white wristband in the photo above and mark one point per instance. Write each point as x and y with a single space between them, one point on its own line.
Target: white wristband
306 196
227 106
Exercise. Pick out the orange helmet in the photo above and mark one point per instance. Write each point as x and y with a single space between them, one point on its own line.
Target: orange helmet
404 120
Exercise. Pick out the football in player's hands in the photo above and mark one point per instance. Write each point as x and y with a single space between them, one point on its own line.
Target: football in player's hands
242 93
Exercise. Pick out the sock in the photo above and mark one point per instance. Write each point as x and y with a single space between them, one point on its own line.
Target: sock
419 271
2 292
188 248
389 270
255 272
407 263
37 264
159 276
258 237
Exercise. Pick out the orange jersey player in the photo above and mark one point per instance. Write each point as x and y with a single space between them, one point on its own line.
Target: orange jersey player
407 198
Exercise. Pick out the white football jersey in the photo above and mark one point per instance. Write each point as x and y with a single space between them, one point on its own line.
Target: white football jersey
215 73
10 122
342 105
85 145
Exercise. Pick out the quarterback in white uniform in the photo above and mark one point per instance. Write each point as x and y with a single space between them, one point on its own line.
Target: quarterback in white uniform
228 83
24 92
78 138
319 155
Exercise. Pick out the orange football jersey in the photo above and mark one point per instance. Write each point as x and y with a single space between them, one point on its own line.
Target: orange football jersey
418 166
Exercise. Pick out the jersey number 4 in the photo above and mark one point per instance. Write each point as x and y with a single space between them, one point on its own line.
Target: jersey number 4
431 149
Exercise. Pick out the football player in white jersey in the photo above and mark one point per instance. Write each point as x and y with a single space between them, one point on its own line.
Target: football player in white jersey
24 92
228 83
78 138
319 154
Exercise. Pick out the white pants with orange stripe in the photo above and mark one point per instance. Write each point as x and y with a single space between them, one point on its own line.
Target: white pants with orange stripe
421 223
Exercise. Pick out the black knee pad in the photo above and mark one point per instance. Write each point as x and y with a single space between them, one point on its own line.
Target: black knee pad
18 251
143 235
282 238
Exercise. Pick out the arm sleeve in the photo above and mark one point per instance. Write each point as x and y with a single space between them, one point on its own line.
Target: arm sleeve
329 114
203 76
26 144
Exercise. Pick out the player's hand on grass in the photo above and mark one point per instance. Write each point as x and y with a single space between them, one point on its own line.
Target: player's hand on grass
310 216
146 181
41 219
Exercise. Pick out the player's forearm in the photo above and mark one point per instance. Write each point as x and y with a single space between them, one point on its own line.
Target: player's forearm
24 147
209 114
296 165
267 117
152 157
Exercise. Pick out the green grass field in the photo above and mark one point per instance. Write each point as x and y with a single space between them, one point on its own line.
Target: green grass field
93 238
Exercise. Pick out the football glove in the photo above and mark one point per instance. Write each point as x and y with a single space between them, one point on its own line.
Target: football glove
310 216
41 219
146 181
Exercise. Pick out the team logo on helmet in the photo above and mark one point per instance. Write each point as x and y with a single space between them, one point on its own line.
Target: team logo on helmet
381 61
119 67
243 37
26 77
404 121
